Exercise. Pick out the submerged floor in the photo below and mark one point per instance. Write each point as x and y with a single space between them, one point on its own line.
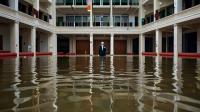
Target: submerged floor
93 84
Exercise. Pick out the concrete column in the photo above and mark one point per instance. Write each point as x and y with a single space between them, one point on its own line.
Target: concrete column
72 44
177 40
14 4
177 6
141 44
129 45
53 43
36 5
14 40
52 12
198 40
141 13
156 5
33 40
91 16
112 44
111 14
158 41
91 44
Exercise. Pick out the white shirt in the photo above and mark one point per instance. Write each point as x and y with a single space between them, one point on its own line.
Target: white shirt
102 46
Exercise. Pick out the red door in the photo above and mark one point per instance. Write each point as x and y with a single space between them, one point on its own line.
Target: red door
82 47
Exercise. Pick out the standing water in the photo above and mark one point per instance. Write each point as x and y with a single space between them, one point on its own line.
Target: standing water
94 84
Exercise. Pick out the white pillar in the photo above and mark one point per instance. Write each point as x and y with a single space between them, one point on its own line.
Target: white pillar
91 44
198 40
91 17
141 44
177 6
53 43
177 40
36 5
129 45
52 12
33 40
112 44
14 4
72 44
111 14
141 13
14 40
156 7
158 41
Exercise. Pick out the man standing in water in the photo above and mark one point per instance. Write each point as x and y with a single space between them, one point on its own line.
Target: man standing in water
102 49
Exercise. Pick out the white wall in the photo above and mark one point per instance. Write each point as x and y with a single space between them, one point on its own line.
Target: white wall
26 38
5 32
43 42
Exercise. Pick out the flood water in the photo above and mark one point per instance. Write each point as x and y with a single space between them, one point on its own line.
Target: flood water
93 84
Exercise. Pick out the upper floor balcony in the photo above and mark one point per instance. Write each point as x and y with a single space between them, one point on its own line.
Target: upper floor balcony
98 21
97 2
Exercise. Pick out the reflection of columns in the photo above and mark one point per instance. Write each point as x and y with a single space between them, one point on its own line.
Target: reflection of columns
156 5
91 65
33 40
158 41
91 44
15 86
14 4
112 44
53 43
141 44
177 71
177 6
129 45
198 40
112 66
14 38
111 14
53 89
33 68
177 39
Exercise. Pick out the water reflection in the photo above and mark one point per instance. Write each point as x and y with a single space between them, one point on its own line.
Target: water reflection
94 84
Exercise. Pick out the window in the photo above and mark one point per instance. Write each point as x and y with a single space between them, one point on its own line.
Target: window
133 2
70 20
86 21
68 2
124 2
106 2
60 21
97 20
170 10
105 21
116 20
78 20
78 2
124 21
60 2
96 2
116 2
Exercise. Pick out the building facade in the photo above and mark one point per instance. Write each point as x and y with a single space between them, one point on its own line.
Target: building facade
156 27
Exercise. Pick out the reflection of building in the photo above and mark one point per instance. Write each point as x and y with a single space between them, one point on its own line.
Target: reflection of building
126 26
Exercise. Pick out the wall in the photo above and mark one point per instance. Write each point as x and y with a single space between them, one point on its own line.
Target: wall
5 32
43 41
26 39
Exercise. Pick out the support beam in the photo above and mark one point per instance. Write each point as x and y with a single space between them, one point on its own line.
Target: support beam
156 5
33 40
111 14
177 6
141 13
141 44
14 37
129 45
53 43
112 44
91 44
14 4
177 40
72 44
36 5
158 41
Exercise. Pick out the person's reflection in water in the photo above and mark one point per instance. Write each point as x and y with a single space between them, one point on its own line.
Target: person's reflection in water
102 54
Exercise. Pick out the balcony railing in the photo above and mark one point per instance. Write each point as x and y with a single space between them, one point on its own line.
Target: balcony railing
97 2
